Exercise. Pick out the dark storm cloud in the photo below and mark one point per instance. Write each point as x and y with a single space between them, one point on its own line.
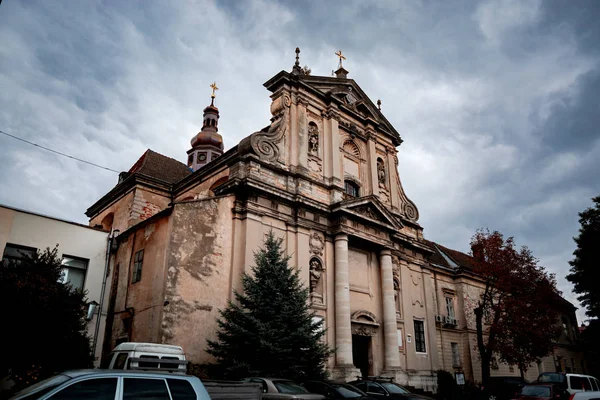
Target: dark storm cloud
497 101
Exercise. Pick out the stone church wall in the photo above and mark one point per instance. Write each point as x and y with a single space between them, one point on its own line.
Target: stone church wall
198 279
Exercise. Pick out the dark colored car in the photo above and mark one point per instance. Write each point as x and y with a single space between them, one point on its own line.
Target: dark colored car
504 387
378 388
336 390
546 391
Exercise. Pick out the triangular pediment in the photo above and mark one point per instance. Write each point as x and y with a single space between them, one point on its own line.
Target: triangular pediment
371 209
350 95
345 92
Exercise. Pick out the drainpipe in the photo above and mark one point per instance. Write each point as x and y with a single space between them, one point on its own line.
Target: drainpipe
437 312
111 237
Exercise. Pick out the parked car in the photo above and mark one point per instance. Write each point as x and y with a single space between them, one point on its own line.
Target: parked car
573 383
385 387
119 385
336 390
283 389
503 387
595 395
547 391
148 357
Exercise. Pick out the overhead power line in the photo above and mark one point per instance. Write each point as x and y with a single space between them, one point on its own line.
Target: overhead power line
58 152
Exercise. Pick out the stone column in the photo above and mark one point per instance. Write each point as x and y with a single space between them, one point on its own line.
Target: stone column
390 334
343 333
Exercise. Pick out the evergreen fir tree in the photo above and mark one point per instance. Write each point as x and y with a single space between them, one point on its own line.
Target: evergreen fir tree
584 267
269 330
46 327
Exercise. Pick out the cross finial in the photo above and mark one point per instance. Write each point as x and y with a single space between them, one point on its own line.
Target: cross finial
341 57
214 88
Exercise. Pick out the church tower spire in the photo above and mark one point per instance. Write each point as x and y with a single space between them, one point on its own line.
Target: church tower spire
207 145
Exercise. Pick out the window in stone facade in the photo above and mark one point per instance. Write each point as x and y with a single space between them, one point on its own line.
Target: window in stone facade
420 336
351 188
455 355
450 306
137 266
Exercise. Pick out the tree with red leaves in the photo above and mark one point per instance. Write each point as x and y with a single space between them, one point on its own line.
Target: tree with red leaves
517 313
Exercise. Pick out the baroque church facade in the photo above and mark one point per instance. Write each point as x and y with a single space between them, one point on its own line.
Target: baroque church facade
323 175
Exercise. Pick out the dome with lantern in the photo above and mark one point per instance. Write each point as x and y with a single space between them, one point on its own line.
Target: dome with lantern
207 145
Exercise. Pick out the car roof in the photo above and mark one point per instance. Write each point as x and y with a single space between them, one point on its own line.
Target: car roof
149 347
112 372
271 379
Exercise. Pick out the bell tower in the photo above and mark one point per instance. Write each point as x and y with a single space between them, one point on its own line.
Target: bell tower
207 145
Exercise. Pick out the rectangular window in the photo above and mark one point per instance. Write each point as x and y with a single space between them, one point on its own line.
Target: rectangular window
141 388
455 355
420 337
450 306
137 266
16 252
74 270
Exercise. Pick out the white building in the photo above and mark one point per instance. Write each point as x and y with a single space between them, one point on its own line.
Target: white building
82 248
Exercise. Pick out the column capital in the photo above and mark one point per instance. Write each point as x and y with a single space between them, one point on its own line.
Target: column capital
341 236
385 252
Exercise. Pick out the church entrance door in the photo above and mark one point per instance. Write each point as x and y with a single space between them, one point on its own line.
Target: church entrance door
361 347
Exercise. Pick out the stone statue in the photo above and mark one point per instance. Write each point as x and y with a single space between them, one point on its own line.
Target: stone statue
381 172
313 139
315 274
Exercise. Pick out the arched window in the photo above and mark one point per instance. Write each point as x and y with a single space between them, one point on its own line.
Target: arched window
351 188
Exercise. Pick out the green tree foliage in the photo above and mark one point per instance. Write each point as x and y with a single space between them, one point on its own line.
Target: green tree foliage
516 316
269 330
585 267
43 320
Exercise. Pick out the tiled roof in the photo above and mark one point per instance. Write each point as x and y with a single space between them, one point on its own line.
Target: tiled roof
441 252
160 167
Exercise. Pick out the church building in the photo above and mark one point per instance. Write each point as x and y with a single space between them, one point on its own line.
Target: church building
323 175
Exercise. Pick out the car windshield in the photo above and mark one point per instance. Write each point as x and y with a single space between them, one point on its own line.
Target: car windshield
289 387
40 388
348 391
536 391
551 377
393 388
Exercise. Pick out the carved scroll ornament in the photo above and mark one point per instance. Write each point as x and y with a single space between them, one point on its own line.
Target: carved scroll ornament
264 143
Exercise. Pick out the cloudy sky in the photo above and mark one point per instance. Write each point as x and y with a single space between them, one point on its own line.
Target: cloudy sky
497 101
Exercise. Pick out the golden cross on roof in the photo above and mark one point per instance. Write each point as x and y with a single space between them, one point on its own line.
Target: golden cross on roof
214 87
341 56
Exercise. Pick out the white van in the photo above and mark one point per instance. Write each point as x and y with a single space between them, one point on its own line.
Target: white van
148 357
574 383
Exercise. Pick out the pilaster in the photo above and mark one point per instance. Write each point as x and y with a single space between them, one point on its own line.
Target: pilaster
373 181
392 355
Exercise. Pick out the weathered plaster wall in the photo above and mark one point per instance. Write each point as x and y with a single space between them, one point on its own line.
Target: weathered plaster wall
202 190
137 205
146 203
147 296
120 211
198 277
